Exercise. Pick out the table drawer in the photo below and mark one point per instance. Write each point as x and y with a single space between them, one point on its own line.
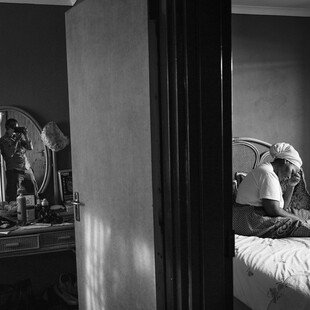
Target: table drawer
20 243
57 238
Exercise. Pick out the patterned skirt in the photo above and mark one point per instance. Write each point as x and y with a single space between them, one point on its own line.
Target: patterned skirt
253 221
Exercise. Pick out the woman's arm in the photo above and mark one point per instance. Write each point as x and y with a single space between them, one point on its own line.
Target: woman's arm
287 196
272 208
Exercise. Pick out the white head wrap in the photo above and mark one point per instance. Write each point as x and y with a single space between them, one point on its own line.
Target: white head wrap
286 151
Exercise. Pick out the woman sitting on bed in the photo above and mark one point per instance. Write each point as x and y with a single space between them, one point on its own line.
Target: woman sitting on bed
260 208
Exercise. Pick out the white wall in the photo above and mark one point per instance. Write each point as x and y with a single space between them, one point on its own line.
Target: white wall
271 80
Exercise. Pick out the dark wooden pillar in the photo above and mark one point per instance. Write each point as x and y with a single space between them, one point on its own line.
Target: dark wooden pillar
195 116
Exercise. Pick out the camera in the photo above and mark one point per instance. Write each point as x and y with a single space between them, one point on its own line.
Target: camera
20 129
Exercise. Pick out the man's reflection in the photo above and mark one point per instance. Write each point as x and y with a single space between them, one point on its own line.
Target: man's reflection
13 145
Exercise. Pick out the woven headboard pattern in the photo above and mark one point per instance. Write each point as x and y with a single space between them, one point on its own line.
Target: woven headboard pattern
248 153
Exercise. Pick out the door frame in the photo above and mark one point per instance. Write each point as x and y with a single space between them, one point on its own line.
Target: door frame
194 52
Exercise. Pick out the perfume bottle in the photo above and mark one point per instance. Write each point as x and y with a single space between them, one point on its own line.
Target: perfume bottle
21 209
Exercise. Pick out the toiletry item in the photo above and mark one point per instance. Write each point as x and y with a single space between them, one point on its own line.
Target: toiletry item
30 214
43 213
21 209
44 203
38 208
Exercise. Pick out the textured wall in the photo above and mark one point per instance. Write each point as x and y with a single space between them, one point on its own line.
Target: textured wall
33 73
108 61
271 79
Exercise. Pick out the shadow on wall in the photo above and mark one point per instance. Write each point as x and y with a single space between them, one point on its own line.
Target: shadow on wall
111 284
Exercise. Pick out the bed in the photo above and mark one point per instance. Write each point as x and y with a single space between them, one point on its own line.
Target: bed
269 273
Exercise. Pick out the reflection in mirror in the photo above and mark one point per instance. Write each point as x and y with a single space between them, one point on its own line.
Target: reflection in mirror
38 155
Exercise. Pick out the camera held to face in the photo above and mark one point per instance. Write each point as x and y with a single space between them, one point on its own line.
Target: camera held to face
20 129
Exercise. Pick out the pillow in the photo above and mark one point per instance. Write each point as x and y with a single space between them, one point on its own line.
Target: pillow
239 176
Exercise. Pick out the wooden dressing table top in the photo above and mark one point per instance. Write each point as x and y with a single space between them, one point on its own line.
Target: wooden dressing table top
37 239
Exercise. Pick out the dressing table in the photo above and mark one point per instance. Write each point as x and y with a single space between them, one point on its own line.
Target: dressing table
35 238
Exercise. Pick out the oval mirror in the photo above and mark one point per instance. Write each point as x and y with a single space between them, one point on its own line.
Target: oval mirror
39 157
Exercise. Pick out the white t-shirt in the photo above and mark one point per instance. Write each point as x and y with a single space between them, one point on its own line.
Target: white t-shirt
260 183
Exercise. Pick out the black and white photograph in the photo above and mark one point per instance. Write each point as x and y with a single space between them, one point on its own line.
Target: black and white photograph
154 155
271 202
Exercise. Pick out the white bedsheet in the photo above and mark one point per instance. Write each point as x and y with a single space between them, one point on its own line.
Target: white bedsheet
272 273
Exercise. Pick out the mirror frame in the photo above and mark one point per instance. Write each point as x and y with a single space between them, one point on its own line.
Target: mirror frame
47 156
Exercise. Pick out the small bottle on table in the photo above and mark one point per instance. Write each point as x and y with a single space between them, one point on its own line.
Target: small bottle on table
21 208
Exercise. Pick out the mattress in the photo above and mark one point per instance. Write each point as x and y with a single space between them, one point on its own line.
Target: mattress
272 273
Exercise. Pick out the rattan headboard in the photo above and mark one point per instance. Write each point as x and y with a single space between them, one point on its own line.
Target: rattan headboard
247 153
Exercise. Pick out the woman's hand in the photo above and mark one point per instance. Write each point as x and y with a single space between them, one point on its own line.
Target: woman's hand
294 180
273 209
